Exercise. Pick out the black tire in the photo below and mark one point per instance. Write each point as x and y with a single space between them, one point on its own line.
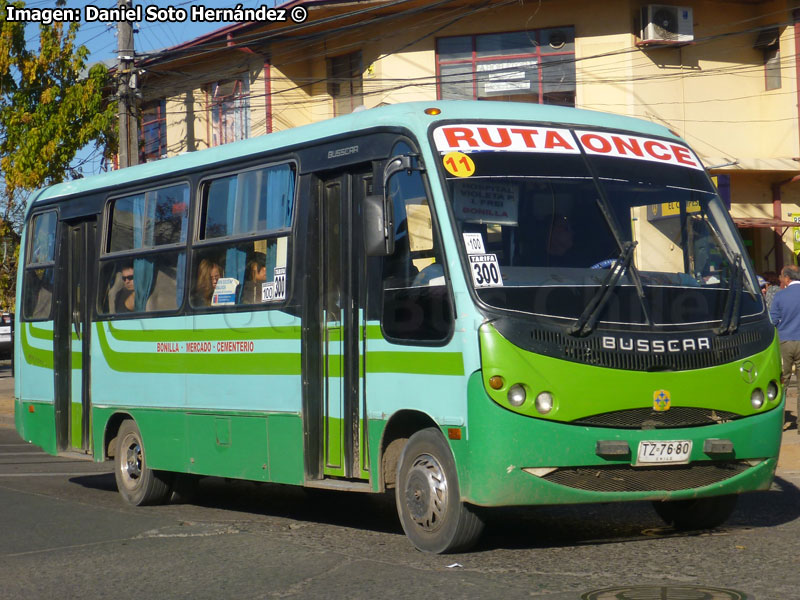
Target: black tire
137 483
700 513
428 499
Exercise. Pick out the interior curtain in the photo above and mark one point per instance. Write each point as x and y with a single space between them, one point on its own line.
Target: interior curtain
235 265
181 273
143 218
280 197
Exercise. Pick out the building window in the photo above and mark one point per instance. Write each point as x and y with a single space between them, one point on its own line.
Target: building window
772 65
530 66
230 110
768 41
154 131
345 83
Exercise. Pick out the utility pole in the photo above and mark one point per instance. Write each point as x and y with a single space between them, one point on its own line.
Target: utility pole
128 128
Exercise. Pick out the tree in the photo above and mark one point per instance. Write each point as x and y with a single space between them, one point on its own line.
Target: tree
50 107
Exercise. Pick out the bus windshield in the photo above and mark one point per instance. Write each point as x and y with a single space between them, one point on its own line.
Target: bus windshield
542 229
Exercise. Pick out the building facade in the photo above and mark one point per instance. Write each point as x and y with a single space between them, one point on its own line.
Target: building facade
720 73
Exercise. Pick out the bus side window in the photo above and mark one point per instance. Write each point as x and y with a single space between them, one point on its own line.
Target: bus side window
154 223
40 269
228 269
415 300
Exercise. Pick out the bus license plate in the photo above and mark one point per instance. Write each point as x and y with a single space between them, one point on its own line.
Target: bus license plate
664 451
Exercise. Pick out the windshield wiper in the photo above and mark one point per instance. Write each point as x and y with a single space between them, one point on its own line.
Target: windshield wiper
588 319
733 300
605 209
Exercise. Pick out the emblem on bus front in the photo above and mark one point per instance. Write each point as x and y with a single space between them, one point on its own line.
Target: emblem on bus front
748 371
661 400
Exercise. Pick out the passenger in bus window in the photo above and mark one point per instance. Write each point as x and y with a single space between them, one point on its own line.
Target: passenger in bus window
256 274
208 273
124 300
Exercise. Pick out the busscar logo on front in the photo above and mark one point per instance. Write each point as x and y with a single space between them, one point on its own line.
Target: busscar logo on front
630 344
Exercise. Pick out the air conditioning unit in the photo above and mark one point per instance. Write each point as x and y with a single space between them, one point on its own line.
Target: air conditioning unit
663 24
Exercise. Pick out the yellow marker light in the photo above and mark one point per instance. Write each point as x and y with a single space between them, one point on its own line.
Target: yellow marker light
496 382
453 433
433 111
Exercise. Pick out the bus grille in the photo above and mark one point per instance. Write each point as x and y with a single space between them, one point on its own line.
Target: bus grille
535 337
647 418
615 478
590 351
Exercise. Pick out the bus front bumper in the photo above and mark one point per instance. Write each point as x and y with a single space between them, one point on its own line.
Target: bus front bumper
513 460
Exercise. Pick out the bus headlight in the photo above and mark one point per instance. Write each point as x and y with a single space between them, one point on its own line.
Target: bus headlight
516 395
544 402
772 390
757 398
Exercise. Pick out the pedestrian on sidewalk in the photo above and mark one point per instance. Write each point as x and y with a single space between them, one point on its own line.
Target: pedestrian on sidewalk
785 314
770 285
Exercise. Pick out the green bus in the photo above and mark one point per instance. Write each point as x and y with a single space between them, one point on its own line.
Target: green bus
472 304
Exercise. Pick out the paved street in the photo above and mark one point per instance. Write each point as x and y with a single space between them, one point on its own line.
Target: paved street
67 533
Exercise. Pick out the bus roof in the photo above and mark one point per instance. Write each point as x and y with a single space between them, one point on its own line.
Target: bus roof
409 115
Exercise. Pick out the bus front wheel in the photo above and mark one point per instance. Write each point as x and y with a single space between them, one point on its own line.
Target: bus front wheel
428 499
699 513
137 483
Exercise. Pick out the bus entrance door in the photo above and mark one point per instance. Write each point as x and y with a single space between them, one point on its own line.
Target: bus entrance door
71 337
342 274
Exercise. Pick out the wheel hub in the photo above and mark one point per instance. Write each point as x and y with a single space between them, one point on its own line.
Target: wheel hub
426 493
132 465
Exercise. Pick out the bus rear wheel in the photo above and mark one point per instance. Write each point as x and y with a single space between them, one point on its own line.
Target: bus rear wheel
428 499
699 513
137 483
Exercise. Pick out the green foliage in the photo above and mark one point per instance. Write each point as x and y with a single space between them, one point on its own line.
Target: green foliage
9 252
50 108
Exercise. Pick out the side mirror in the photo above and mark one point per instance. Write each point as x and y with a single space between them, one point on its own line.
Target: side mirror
378 226
398 164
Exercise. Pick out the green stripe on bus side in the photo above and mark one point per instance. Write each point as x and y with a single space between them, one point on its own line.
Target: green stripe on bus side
76 425
416 363
37 357
419 363
268 363
77 360
289 332
40 334
45 334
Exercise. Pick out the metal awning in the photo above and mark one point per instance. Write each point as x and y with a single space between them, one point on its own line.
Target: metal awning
749 222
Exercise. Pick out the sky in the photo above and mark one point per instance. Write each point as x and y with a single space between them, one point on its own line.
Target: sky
101 38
